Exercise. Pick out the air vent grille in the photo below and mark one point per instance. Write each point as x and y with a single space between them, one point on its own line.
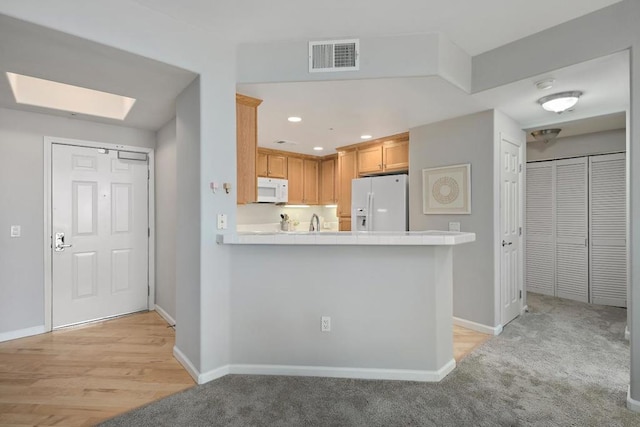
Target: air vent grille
334 55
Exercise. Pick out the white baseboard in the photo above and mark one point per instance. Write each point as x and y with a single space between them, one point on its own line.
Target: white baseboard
478 327
524 309
21 333
186 363
632 404
334 372
627 333
165 315
214 374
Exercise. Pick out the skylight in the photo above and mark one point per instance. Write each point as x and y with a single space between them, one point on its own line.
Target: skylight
60 96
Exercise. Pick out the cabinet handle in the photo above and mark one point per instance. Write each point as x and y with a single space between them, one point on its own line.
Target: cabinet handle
379 165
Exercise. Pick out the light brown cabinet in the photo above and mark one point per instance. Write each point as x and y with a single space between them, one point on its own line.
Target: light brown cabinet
271 165
390 155
344 224
310 182
295 166
328 181
347 171
246 147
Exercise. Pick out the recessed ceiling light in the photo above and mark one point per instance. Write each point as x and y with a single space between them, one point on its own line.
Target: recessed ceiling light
60 96
318 148
365 137
560 102
294 119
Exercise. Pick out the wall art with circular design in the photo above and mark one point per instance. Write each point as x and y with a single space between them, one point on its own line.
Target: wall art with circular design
447 189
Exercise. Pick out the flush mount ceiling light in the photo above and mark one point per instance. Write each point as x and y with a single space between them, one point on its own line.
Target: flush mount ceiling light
546 135
294 119
318 148
75 99
560 102
365 137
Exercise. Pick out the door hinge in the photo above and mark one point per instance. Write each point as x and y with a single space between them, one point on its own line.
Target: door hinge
520 167
149 290
149 232
148 174
520 294
519 231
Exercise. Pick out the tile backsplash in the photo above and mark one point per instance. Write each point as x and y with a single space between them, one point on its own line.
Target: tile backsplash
266 217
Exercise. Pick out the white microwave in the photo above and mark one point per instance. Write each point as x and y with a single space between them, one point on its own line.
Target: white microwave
271 190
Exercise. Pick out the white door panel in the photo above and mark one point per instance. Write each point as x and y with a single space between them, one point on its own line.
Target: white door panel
100 203
510 223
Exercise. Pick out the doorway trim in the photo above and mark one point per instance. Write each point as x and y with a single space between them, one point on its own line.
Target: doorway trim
48 143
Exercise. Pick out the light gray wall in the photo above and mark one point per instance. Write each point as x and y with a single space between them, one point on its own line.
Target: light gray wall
187 204
381 304
22 195
580 145
467 139
165 186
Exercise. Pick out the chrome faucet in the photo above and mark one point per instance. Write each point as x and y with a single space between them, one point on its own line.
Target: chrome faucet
317 227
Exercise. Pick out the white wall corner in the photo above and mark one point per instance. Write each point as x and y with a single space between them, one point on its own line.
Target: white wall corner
632 404
186 363
454 64
21 333
478 327
166 316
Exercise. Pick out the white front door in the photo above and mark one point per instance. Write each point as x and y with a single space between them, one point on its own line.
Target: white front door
510 229
99 234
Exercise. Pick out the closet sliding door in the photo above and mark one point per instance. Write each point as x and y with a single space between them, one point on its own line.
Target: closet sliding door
608 230
572 251
540 272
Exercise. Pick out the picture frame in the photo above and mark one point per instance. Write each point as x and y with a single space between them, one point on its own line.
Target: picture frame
447 190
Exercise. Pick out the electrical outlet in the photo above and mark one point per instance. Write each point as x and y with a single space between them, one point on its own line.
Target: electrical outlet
15 231
222 221
454 226
325 324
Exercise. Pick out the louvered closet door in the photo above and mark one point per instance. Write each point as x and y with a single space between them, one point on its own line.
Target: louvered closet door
608 230
540 244
572 268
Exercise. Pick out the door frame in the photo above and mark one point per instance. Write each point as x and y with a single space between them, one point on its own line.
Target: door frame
498 227
48 143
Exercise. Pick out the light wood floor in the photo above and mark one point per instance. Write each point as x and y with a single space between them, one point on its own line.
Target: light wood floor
84 375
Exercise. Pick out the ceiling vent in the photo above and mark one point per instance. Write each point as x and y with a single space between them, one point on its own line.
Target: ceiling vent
334 55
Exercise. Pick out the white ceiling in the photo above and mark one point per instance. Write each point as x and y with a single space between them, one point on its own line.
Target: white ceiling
39 52
336 113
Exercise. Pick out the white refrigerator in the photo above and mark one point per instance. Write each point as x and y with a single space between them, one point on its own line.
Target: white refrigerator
380 203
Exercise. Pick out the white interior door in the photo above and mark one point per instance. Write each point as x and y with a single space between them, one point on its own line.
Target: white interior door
608 230
540 229
511 223
572 268
100 234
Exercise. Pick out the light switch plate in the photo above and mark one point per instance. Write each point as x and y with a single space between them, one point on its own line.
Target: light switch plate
15 231
222 221
454 226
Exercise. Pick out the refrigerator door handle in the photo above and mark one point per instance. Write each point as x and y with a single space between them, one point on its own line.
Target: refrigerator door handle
369 211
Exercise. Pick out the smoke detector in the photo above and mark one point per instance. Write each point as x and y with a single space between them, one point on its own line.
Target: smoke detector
546 135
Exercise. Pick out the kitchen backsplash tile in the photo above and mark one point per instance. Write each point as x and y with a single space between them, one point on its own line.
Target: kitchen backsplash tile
266 217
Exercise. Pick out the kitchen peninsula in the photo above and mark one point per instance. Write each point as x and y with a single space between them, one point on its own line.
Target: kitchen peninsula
388 297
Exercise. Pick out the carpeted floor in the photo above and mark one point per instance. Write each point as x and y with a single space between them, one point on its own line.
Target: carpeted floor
562 364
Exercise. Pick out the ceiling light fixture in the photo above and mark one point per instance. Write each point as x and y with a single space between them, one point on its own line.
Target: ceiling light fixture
365 137
75 99
294 119
546 135
560 102
318 148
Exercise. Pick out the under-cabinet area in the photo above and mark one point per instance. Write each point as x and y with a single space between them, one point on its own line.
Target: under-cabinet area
576 228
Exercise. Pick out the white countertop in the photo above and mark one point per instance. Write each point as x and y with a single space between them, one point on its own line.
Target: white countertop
415 238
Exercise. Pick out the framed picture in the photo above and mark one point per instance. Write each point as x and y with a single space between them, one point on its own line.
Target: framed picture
447 190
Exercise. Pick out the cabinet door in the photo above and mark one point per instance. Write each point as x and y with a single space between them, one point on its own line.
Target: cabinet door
370 159
277 166
246 146
395 156
296 180
344 224
310 182
346 172
262 164
327 181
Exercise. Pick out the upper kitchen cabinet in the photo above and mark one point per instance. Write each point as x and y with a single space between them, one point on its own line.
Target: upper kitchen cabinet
310 182
384 155
272 164
328 181
246 146
295 166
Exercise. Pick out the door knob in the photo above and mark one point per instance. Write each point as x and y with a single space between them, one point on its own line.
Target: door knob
506 244
59 243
